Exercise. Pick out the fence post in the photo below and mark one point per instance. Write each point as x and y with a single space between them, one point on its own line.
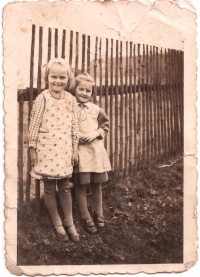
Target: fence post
28 182
116 107
130 109
106 87
121 150
126 158
111 105
20 152
134 109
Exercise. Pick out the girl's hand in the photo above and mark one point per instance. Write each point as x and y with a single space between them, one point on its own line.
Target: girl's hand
89 137
75 158
34 158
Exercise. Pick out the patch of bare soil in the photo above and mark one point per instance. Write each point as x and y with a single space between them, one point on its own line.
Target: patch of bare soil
144 214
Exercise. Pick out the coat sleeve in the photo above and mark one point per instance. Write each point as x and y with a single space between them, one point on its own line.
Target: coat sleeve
103 124
36 120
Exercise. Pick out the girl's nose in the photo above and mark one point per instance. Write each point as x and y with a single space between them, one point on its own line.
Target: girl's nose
58 81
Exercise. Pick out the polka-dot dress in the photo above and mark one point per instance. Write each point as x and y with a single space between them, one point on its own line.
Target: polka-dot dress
54 145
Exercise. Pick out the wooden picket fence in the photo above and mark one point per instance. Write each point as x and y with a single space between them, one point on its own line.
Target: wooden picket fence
139 86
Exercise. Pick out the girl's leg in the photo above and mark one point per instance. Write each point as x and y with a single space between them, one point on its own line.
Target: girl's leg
80 191
97 198
66 203
50 201
81 197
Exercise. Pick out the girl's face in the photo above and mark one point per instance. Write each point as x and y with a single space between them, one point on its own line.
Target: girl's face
83 92
58 78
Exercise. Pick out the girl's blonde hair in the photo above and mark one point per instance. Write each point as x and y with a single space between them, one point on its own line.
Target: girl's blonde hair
59 61
83 77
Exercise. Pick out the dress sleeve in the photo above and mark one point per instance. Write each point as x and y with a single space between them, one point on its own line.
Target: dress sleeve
75 129
103 123
35 120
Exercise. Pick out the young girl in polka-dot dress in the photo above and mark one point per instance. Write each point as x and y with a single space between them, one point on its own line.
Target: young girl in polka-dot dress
53 139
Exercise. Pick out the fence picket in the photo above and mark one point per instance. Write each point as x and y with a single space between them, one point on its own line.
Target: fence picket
100 74
139 106
161 104
121 110
182 98
106 88
95 71
168 104
76 54
88 55
158 119
134 109
71 48
83 54
154 102
165 145
63 44
28 179
56 42
116 107
49 45
130 162
111 105
151 104
126 141
147 106
39 76
143 109
20 152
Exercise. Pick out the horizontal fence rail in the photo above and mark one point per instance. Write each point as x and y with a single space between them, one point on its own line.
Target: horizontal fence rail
139 86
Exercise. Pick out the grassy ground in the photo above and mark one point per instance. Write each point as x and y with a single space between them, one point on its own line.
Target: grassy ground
144 214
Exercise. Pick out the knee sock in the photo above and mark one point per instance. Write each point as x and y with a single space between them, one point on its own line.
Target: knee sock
97 198
66 201
50 201
80 192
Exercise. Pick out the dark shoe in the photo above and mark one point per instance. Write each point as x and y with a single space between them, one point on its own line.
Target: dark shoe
99 220
73 236
89 226
61 237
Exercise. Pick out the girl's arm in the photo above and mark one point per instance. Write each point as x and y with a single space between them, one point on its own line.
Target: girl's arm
75 133
103 124
35 122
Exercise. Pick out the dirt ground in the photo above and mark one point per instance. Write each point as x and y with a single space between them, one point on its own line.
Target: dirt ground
144 224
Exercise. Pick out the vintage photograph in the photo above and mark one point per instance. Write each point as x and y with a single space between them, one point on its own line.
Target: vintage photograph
100 127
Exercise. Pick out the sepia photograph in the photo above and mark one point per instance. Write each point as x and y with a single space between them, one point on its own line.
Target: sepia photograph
103 136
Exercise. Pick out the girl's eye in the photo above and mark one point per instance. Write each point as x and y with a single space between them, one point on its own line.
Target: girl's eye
88 90
62 77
